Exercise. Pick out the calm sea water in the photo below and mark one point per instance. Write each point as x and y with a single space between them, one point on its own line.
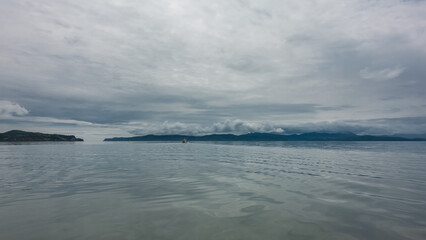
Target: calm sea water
142 190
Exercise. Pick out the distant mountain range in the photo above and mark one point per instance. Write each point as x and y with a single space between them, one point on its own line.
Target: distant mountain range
313 136
22 136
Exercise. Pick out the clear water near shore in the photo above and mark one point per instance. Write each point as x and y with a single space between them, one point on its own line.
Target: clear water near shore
278 190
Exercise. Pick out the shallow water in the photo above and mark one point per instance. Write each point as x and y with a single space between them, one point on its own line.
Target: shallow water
278 190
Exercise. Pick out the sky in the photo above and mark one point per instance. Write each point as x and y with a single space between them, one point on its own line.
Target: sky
109 68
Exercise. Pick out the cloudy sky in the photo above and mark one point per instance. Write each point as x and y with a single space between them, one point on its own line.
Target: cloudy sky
120 68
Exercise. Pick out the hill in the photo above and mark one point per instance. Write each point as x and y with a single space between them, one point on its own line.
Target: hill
22 136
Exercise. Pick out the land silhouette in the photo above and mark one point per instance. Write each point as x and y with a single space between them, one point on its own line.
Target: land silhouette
23 136
312 136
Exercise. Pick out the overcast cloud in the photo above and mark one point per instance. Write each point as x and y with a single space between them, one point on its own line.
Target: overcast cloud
117 68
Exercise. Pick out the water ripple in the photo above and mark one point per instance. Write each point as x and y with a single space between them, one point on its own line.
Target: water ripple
320 190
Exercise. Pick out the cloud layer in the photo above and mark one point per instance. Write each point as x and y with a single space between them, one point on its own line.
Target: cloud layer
228 126
166 63
382 126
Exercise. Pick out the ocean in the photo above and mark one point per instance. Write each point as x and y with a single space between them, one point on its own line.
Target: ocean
208 190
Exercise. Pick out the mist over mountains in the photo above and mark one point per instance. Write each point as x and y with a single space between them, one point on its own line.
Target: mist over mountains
312 136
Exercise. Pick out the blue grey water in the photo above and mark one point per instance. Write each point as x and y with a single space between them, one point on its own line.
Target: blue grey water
279 190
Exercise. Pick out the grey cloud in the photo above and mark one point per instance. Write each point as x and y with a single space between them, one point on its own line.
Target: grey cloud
268 111
193 62
379 126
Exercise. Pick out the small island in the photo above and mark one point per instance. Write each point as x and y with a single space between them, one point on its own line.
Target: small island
22 136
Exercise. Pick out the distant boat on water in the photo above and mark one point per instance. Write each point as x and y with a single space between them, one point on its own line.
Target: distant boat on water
184 140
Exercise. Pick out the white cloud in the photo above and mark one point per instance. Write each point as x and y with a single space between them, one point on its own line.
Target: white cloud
58 121
13 111
383 74
240 126
235 126
9 109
